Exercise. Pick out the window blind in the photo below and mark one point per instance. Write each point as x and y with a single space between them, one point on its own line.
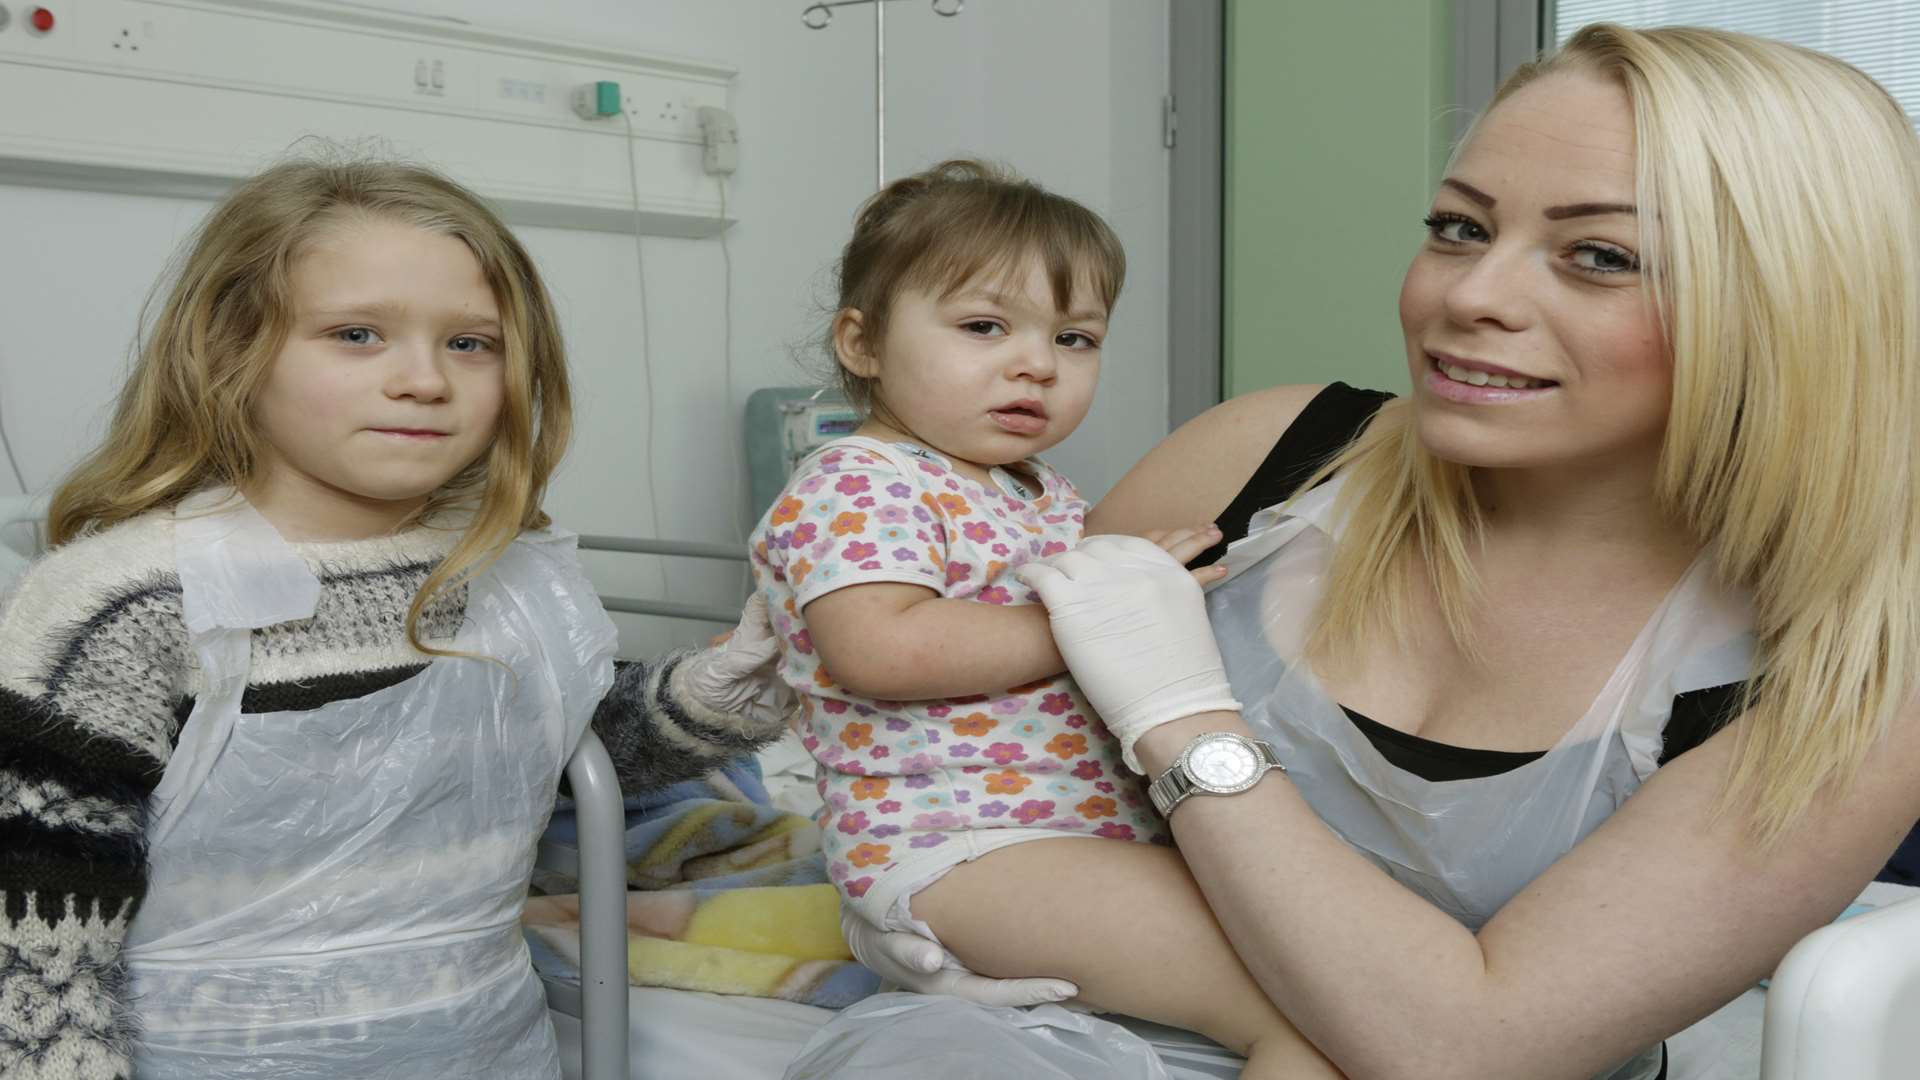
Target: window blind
1880 37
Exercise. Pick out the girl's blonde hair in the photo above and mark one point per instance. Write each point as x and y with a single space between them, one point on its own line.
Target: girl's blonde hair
1781 234
184 420
942 228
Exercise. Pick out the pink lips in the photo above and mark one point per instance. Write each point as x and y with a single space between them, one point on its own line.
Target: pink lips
1023 417
417 434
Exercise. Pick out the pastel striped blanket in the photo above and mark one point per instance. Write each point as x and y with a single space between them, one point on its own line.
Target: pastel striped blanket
727 894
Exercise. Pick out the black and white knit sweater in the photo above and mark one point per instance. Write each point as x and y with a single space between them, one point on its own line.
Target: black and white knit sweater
96 678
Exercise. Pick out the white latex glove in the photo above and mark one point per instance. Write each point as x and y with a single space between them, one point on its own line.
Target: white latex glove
914 963
1130 621
737 676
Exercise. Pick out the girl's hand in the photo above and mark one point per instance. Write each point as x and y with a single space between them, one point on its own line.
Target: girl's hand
737 673
1131 624
1186 544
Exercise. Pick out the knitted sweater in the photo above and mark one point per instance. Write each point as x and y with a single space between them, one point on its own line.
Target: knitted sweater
96 678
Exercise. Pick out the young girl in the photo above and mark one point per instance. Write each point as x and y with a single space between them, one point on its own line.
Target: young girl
973 307
282 719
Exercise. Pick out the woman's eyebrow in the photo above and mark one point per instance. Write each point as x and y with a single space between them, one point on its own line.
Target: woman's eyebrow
1552 213
1471 192
1587 209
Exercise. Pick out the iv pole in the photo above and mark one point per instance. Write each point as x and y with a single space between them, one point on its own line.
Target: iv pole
816 17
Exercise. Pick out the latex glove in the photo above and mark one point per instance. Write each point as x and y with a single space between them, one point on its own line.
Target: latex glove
737 676
1132 626
914 963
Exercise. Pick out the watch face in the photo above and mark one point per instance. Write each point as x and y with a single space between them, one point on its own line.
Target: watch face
1224 762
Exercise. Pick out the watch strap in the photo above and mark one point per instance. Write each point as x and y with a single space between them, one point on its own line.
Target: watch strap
1177 783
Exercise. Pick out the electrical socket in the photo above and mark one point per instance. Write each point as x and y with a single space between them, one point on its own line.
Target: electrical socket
720 134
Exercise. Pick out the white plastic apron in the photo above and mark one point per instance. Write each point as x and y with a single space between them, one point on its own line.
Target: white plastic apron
1468 846
336 892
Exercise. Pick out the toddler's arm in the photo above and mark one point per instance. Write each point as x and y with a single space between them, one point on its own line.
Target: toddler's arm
901 642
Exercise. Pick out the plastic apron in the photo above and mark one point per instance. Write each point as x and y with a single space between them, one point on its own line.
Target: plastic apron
336 892
1468 846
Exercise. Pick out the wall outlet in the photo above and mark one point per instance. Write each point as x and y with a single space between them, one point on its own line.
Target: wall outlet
720 134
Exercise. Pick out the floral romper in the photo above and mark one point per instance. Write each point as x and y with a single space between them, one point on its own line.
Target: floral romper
913 788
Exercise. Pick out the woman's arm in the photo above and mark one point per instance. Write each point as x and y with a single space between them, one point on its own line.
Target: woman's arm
1196 471
1663 914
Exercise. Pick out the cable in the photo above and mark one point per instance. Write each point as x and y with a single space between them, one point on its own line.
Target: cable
646 351
13 463
734 438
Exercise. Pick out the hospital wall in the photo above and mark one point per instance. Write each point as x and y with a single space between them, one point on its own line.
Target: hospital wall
1337 124
1067 91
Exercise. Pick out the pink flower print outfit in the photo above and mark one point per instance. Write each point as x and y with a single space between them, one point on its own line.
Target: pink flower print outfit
906 784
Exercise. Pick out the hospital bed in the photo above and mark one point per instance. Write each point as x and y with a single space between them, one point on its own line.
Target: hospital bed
1843 1005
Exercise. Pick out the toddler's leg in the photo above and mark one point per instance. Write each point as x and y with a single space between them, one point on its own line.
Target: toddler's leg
1149 947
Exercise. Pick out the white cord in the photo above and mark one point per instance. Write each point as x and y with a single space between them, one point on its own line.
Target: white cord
646 353
734 437
14 463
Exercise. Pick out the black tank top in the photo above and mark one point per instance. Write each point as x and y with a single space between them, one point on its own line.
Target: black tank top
1324 428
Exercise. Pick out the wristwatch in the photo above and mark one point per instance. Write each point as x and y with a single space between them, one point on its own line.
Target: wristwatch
1216 763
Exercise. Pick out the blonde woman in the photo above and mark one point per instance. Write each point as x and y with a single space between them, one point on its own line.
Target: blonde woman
283 716
1592 662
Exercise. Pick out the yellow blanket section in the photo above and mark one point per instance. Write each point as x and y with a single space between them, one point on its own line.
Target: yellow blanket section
797 921
765 942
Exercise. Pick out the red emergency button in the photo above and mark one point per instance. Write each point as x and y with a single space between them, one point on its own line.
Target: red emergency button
40 19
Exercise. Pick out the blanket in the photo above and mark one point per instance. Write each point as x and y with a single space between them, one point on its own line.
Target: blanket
727 894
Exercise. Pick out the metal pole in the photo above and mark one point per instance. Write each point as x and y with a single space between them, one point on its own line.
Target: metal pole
692 549
880 95
601 817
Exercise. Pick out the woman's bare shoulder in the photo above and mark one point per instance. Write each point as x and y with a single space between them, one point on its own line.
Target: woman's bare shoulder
1195 472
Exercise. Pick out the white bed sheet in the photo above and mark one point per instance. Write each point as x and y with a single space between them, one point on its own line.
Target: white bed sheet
680 1035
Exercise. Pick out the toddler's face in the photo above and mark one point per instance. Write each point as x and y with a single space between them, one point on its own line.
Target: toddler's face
391 379
990 375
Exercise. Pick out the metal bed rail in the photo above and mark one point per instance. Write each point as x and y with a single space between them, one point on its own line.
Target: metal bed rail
599 861
690 549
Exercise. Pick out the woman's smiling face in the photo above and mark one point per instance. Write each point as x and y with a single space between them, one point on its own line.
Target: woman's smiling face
1531 276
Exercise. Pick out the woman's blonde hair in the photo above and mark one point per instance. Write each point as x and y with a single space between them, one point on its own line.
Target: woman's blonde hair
184 420
1779 195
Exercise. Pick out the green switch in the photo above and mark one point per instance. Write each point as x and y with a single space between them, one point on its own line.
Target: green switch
597 99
